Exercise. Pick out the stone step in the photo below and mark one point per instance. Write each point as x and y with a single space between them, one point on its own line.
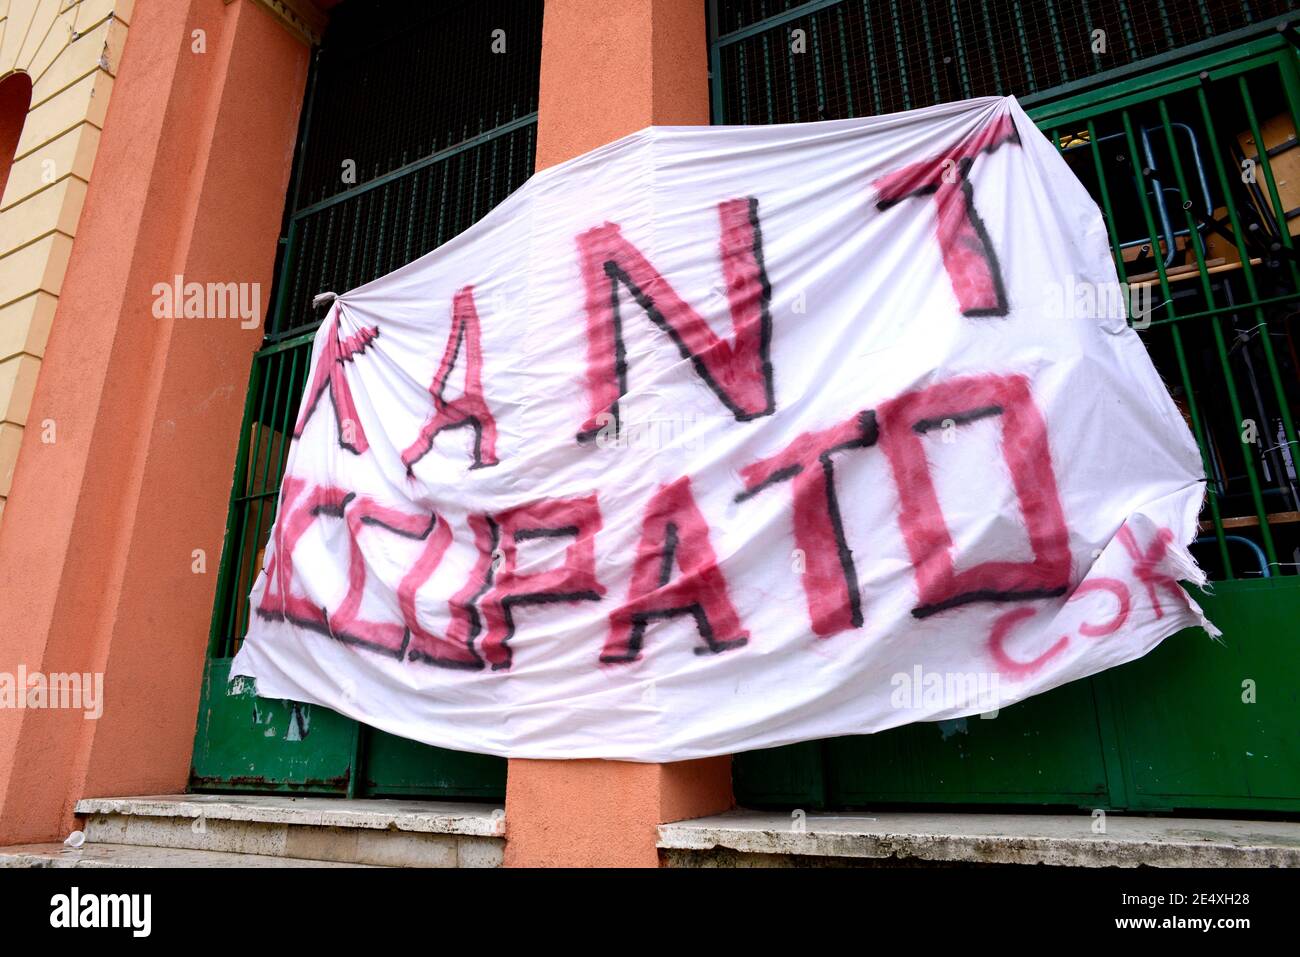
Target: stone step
743 838
371 832
135 855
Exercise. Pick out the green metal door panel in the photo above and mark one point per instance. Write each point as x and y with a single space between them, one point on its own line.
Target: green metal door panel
1186 738
1189 739
247 743
401 767
790 776
1046 750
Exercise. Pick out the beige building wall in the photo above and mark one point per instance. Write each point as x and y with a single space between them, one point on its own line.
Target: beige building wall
70 50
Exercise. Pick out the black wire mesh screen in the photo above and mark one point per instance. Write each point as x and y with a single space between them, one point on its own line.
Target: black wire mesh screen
342 245
441 130
867 57
420 119
398 80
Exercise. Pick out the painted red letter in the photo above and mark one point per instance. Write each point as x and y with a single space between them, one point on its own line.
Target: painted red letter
738 371
575 580
470 409
1146 562
830 580
674 533
297 512
1015 667
904 420
330 375
466 623
968 255
394 638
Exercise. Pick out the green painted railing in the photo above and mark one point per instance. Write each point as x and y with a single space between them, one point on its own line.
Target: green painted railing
1160 147
783 61
335 245
419 119
1158 129
1192 205
347 240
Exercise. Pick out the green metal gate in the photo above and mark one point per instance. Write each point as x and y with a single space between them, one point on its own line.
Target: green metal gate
419 119
1183 128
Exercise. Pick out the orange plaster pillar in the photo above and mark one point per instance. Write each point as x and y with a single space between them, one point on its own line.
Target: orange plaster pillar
609 69
112 534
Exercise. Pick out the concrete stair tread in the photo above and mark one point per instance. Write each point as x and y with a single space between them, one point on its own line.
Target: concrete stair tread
1128 840
430 817
134 855
284 827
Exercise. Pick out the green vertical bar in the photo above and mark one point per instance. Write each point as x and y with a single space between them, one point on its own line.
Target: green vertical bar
1279 211
768 93
265 435
1288 65
246 492
230 546
478 168
900 52
716 100
271 478
359 734
1055 26
871 57
307 260
1022 40
510 163
1164 23
1265 340
289 415
409 252
458 195
1089 26
308 112
365 217
960 49
333 242
351 255
287 264
990 38
493 158
1108 212
382 261
1207 292
844 61
1207 28
743 72
442 201
1230 380
929 54
790 75
1122 270
1130 39
1109 729
287 411
818 68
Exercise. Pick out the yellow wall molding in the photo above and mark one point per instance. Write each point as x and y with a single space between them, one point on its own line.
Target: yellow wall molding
70 49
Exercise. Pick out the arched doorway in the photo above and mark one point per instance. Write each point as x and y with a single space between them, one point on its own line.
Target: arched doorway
15 100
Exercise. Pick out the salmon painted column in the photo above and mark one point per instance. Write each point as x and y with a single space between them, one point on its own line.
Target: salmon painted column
609 69
111 540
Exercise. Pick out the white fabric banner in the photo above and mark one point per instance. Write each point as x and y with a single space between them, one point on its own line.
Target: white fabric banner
720 438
